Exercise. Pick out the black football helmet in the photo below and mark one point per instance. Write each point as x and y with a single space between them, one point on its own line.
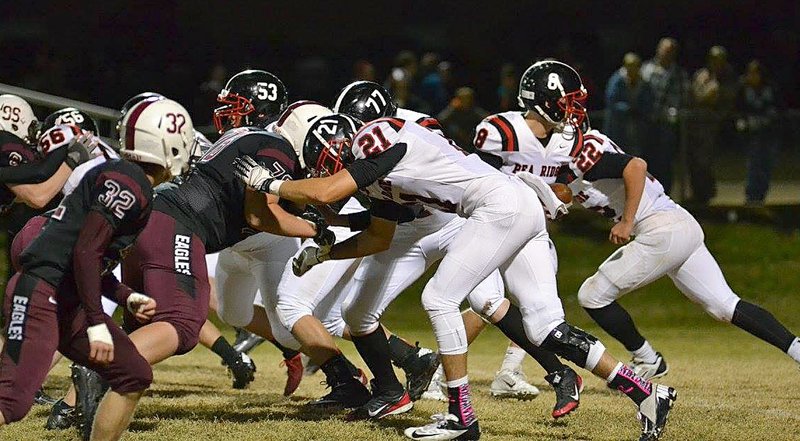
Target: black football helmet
251 98
328 144
366 101
70 115
555 91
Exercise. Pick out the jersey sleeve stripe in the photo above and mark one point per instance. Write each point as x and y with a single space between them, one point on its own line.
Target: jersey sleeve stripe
508 136
429 123
578 145
396 124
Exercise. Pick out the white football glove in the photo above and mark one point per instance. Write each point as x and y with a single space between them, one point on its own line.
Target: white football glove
553 207
308 258
252 174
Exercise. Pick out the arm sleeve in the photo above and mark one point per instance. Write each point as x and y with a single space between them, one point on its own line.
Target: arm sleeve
609 166
34 172
93 239
114 289
493 160
359 221
368 170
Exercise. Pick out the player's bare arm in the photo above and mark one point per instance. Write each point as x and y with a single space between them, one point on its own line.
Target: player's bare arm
39 195
263 213
375 239
633 176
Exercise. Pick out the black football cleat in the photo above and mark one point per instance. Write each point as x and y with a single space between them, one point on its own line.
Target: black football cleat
62 416
654 410
349 392
382 404
420 369
41 398
568 386
89 390
242 370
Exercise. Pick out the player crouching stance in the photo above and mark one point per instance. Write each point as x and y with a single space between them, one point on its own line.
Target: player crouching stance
85 235
402 162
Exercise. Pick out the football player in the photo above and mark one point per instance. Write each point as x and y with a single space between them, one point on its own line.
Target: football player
367 101
401 162
91 229
667 239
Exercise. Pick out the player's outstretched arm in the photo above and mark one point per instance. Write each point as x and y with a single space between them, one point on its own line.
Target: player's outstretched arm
314 191
263 213
39 195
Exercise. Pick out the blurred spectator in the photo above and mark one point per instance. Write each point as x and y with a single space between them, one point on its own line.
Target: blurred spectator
431 89
629 104
461 116
363 70
670 85
399 85
757 106
206 99
446 72
507 90
713 94
407 60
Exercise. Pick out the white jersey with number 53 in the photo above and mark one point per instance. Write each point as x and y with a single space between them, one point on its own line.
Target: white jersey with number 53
432 172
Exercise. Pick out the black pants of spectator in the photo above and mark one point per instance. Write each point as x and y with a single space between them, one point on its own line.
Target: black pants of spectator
762 148
660 153
701 150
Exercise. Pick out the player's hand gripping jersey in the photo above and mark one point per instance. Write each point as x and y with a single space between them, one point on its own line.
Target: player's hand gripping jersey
92 226
404 162
211 200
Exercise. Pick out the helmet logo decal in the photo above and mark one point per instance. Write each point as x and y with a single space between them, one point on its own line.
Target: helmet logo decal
371 101
554 82
267 91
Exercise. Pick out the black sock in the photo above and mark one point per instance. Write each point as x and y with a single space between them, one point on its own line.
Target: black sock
338 369
374 349
511 326
288 353
632 385
225 351
759 322
616 321
400 351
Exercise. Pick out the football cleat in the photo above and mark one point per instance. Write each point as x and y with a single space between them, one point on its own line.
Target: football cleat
654 410
43 399
568 386
294 374
89 390
348 393
420 370
243 371
445 427
437 389
649 371
512 384
62 416
246 341
382 404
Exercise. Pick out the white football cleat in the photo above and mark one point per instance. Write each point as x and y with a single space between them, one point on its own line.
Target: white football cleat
649 371
437 389
512 384
445 427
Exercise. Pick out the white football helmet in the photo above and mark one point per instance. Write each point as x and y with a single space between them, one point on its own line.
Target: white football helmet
157 131
295 122
16 116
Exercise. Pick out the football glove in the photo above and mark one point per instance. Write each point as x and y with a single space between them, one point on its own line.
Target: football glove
553 207
325 237
308 258
253 175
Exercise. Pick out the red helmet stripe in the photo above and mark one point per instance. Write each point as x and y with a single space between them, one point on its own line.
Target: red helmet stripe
135 113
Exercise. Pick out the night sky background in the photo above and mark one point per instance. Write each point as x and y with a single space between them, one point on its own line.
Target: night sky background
104 52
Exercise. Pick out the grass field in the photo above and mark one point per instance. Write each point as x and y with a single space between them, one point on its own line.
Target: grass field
731 386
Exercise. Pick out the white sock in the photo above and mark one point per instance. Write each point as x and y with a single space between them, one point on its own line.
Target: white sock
646 353
513 359
458 382
614 372
794 350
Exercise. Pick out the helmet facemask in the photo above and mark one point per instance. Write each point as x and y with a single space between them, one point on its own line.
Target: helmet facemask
234 111
573 106
333 158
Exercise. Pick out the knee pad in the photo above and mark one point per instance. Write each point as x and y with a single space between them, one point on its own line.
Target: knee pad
574 344
723 310
597 292
237 319
138 377
360 321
